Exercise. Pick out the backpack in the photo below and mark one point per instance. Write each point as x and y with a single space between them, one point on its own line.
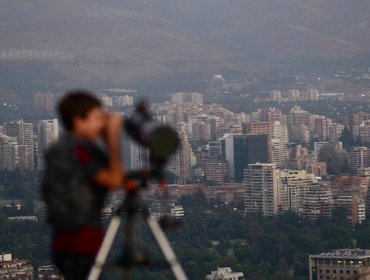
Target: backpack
66 189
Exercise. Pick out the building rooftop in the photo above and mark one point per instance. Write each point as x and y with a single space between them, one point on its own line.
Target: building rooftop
344 253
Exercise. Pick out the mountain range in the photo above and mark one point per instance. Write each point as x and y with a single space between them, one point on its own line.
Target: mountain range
134 40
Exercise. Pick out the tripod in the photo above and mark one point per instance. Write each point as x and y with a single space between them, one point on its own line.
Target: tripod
134 205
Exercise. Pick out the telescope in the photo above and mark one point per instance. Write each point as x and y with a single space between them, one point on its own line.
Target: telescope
161 140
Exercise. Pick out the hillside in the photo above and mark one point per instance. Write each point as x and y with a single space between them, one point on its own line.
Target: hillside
93 40
330 28
121 41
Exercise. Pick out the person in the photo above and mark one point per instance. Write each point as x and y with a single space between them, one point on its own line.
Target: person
78 175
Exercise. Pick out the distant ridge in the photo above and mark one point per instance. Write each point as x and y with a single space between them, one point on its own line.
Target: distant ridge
122 41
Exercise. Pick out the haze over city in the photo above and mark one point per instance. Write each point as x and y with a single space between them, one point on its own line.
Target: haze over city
271 104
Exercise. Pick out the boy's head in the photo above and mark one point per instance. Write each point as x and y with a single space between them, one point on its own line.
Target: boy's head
82 114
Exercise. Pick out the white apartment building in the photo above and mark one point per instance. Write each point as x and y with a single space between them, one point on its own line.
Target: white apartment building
47 134
294 186
225 273
318 202
262 188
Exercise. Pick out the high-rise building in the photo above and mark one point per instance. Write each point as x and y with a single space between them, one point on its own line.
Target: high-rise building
318 202
28 135
123 100
196 98
177 98
23 133
25 157
276 95
200 131
319 126
279 144
335 131
107 101
234 147
136 157
216 171
260 128
279 131
44 101
266 115
181 161
202 156
313 94
241 150
15 129
47 134
317 147
335 157
294 186
339 264
358 118
294 94
262 189
361 131
367 204
279 153
298 157
185 97
354 202
257 148
358 158
298 124
225 273
179 116
215 150
8 153
213 122
318 169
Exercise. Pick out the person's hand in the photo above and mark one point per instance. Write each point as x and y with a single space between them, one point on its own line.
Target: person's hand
112 176
113 127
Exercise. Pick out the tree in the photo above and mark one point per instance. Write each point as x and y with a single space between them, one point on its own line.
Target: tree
346 138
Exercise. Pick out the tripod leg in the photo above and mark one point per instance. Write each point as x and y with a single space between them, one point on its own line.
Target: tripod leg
105 248
166 248
129 243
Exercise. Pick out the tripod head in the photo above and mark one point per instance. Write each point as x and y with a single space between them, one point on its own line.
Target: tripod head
136 180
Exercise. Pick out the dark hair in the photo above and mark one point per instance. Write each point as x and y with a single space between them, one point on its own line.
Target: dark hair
76 103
